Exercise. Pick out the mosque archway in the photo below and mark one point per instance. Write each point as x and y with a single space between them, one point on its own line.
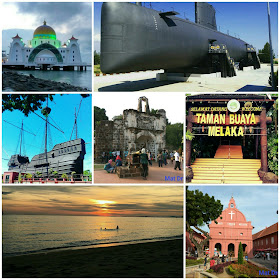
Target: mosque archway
42 47
231 248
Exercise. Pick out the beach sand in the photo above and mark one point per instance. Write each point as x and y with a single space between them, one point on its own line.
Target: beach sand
154 259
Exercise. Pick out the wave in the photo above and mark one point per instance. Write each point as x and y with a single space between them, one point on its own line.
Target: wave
93 243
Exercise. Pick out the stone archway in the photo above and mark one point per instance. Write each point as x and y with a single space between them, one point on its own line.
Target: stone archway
145 140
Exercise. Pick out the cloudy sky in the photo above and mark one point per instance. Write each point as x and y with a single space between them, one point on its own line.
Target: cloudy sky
247 20
173 104
259 203
66 19
157 201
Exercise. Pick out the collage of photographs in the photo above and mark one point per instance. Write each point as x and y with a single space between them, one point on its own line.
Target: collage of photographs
160 161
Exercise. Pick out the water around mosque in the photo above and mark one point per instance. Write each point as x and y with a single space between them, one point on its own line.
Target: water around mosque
76 78
23 234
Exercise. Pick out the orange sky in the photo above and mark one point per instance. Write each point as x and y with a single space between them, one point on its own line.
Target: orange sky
94 200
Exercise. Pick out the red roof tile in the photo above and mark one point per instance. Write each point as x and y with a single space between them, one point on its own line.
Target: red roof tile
266 231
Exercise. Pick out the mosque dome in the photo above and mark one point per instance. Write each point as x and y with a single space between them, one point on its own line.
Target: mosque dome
44 32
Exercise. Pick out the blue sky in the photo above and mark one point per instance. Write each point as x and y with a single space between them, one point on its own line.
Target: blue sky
248 20
258 203
62 114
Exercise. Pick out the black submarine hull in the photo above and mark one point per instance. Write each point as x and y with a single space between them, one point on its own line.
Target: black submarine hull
135 38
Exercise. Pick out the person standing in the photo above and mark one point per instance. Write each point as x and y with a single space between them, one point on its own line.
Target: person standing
159 157
205 262
150 158
177 161
171 157
144 162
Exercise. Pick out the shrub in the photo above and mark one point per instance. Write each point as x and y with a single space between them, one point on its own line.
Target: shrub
218 268
243 276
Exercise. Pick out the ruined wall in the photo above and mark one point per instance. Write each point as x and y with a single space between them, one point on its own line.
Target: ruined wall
131 133
103 140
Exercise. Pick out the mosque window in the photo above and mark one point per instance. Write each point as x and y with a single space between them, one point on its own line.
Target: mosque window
220 233
73 59
63 56
266 241
73 51
16 50
261 242
272 240
241 233
27 56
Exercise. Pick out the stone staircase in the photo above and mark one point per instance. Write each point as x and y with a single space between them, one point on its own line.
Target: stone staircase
227 167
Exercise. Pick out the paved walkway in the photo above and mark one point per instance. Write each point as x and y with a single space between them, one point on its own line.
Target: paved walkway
252 80
156 175
271 264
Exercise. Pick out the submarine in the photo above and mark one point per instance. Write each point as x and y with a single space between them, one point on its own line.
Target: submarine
136 38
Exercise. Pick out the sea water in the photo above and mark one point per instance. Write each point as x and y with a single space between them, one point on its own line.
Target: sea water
23 234
76 78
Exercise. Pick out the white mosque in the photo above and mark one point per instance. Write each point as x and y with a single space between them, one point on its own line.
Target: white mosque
44 51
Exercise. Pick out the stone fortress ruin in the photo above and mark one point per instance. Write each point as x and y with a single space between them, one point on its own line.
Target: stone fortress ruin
136 129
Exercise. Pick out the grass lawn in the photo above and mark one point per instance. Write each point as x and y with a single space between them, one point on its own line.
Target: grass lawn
99 166
194 262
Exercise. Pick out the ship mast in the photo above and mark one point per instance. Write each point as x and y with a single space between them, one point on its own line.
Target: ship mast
75 127
46 111
21 136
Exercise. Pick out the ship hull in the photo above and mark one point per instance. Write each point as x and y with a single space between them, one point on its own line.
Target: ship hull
64 158
135 38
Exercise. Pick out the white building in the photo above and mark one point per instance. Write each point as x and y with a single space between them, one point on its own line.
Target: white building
44 51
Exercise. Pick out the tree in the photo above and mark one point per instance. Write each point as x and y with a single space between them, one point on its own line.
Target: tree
174 134
25 103
64 176
99 115
264 54
201 209
38 174
89 174
240 254
96 58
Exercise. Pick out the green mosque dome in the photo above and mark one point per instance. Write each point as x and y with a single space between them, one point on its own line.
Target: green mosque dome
44 32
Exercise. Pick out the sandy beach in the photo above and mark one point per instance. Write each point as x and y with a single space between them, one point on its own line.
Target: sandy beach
155 259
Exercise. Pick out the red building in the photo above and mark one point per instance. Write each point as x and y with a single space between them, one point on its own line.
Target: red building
266 239
231 229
